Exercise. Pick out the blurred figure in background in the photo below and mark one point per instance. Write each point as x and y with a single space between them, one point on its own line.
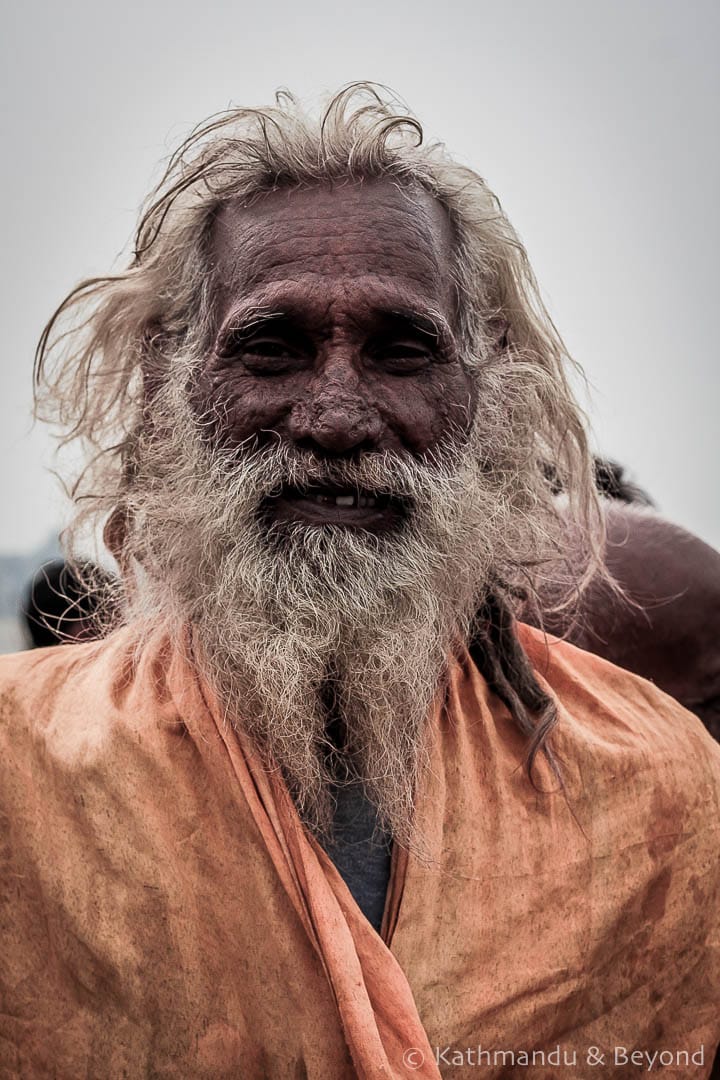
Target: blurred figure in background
670 633
667 628
59 607
612 482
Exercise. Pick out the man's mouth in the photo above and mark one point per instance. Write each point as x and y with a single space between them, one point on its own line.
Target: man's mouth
320 505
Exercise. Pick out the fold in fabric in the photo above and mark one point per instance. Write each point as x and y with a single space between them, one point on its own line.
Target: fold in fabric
164 912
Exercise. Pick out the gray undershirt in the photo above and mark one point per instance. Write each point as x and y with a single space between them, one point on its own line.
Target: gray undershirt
360 851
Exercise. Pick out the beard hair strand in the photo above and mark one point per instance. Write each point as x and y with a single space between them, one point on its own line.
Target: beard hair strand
282 614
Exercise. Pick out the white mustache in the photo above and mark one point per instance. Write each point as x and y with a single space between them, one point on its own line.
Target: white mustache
270 470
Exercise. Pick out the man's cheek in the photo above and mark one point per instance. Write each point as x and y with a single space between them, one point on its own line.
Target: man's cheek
426 414
236 408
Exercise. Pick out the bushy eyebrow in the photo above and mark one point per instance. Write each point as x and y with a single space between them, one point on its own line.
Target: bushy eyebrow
428 323
249 319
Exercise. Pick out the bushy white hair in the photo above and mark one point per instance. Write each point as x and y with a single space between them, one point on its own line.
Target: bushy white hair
113 367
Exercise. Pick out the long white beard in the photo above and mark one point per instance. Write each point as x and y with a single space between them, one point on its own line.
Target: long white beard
291 617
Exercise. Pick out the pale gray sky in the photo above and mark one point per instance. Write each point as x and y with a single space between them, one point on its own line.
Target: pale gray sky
595 123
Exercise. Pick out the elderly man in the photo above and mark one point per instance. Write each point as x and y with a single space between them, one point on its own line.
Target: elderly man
321 807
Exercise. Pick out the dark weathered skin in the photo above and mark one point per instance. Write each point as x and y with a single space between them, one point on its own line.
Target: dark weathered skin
360 275
672 635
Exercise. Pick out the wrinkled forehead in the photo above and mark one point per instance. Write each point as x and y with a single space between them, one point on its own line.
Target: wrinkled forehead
373 229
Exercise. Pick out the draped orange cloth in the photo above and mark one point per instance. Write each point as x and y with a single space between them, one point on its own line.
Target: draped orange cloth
165 914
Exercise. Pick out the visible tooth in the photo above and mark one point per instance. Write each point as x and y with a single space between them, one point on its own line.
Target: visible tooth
345 500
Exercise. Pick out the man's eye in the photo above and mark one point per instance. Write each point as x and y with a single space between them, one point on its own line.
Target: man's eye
267 356
402 358
266 353
270 349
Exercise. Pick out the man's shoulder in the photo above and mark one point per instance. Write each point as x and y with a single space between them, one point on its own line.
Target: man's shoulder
17 667
31 681
640 772
618 700
62 700
620 725
39 675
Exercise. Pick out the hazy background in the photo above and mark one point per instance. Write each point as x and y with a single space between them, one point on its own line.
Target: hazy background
596 123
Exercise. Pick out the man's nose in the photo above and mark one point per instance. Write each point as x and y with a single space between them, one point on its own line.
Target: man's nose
336 415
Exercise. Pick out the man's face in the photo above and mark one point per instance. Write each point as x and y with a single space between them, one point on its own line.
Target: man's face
335 334
326 506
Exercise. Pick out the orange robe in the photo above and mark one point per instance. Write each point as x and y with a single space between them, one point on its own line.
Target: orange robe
164 914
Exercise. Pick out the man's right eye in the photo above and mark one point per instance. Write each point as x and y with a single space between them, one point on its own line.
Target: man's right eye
268 348
269 356
263 355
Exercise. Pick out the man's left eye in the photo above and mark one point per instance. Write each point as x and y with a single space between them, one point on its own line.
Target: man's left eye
267 348
402 359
